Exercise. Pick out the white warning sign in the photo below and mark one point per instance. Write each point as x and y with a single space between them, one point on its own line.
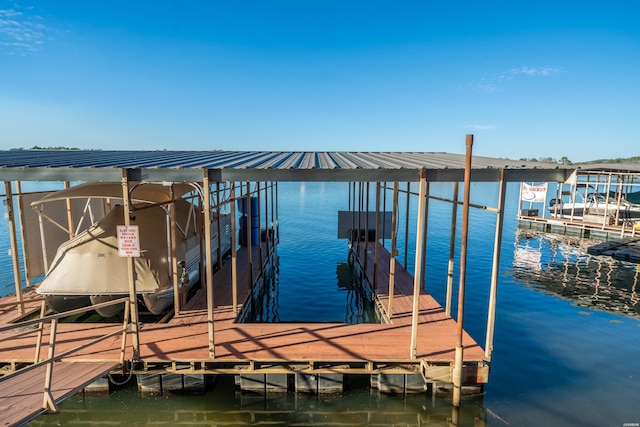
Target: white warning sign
128 241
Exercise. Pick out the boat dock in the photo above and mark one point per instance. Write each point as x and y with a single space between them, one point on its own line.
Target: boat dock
418 344
599 203
261 355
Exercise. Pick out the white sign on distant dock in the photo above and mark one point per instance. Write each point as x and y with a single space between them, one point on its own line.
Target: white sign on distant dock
128 241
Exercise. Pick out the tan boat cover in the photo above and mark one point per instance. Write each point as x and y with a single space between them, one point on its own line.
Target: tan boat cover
89 263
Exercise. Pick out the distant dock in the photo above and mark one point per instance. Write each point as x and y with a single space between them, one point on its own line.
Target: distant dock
599 204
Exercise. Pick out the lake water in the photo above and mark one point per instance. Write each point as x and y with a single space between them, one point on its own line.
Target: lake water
566 349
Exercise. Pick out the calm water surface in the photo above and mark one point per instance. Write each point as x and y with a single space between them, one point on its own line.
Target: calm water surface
566 349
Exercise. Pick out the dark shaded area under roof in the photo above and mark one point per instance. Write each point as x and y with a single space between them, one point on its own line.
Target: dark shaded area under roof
177 166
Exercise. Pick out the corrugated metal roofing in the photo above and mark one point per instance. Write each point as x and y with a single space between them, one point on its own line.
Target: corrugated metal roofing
262 165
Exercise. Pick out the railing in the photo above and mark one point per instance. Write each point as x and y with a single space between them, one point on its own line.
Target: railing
48 400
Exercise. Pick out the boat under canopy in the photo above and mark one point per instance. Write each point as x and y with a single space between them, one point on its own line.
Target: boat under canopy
88 266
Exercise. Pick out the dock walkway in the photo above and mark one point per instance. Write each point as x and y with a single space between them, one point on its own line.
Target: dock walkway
22 394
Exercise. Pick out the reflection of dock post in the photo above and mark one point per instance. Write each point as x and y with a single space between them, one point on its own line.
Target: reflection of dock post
495 269
133 304
457 367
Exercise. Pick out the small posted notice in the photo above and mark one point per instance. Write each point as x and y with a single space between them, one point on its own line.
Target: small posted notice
128 241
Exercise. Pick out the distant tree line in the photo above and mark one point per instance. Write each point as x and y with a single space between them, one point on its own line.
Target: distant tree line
634 159
561 161
566 161
35 147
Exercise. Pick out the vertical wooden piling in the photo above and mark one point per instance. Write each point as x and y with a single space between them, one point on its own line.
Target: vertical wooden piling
219 227
457 367
377 234
406 226
452 246
209 262
424 237
133 302
248 241
175 275
495 269
13 236
234 258
23 226
418 264
70 222
394 251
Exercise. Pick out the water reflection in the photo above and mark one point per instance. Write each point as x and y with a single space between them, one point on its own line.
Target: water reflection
560 265
222 406
266 305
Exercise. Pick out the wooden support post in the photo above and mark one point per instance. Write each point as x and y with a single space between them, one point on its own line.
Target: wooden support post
277 216
375 251
248 241
418 265
406 226
219 228
459 356
425 234
43 311
23 238
123 342
171 236
209 262
13 237
495 269
258 209
366 228
266 219
48 401
394 251
384 210
70 222
352 207
452 246
133 303
234 260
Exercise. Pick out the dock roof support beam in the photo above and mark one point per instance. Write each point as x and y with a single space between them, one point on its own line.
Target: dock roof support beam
457 367
208 262
418 264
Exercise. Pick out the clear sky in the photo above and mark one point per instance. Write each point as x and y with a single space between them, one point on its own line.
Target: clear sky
527 78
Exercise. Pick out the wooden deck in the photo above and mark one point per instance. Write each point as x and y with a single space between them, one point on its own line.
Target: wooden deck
356 348
21 395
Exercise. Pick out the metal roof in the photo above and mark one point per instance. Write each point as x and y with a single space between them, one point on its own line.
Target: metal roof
610 167
189 166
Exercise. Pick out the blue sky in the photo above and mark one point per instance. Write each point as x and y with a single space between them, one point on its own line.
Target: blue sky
528 79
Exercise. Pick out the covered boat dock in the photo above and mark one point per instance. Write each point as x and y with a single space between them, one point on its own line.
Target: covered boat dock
418 338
